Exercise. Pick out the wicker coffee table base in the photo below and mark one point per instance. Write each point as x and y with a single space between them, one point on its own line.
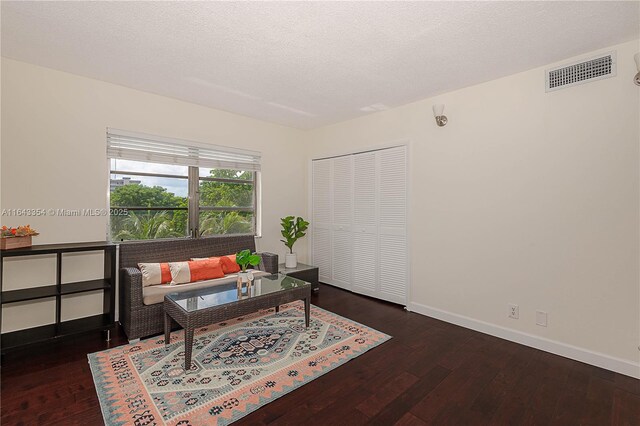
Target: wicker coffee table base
202 317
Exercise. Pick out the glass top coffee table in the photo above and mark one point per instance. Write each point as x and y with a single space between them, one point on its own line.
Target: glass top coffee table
197 308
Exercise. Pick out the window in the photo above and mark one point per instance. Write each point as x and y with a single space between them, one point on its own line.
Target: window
163 188
148 200
226 201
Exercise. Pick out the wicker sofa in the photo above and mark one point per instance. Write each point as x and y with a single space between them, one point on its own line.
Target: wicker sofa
140 320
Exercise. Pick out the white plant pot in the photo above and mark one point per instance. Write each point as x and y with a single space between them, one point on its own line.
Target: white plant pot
245 277
290 260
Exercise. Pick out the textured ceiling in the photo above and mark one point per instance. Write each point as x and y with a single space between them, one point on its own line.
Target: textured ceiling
307 64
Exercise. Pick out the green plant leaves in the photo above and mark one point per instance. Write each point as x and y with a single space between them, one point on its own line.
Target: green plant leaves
293 228
245 258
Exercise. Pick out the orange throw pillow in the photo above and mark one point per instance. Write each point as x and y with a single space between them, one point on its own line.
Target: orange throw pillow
195 270
206 269
228 262
229 265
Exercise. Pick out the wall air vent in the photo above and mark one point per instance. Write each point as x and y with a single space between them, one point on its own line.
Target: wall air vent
597 68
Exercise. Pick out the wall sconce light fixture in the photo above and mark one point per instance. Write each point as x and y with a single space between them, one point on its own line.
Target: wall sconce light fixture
441 120
636 79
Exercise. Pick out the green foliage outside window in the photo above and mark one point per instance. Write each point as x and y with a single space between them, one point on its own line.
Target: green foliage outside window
145 196
215 223
151 224
227 194
147 224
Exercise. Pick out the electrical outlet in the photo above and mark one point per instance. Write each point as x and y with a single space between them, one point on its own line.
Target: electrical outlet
514 311
541 318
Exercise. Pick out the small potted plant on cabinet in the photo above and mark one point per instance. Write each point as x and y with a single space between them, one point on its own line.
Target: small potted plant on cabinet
12 238
293 228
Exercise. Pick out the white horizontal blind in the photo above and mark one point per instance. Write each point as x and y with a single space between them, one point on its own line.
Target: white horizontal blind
156 149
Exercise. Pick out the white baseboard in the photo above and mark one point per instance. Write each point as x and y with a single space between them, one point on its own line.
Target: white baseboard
618 365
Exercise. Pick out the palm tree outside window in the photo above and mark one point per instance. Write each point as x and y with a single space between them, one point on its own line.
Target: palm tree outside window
150 200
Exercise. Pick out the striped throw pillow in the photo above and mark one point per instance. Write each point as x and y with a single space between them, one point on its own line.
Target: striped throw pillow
155 273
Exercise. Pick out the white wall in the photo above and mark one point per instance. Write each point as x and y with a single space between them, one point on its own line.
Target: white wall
54 142
525 197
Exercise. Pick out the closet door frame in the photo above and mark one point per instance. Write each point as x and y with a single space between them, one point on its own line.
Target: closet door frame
339 153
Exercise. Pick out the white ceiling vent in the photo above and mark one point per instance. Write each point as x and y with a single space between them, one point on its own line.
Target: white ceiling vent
597 68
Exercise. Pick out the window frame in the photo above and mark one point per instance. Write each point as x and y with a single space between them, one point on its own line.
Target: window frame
193 199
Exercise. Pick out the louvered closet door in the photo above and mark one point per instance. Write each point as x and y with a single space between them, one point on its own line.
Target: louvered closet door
322 217
365 218
392 224
342 246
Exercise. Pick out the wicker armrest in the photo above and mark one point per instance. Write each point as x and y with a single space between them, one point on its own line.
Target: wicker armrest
131 279
269 262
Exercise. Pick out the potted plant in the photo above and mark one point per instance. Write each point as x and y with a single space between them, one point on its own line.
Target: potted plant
244 258
293 228
11 238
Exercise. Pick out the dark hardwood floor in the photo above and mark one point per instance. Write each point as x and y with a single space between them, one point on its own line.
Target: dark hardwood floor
430 372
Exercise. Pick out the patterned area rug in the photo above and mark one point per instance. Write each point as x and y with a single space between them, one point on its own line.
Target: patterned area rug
238 366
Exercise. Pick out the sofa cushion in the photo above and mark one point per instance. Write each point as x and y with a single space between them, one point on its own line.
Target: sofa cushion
155 273
155 294
195 270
